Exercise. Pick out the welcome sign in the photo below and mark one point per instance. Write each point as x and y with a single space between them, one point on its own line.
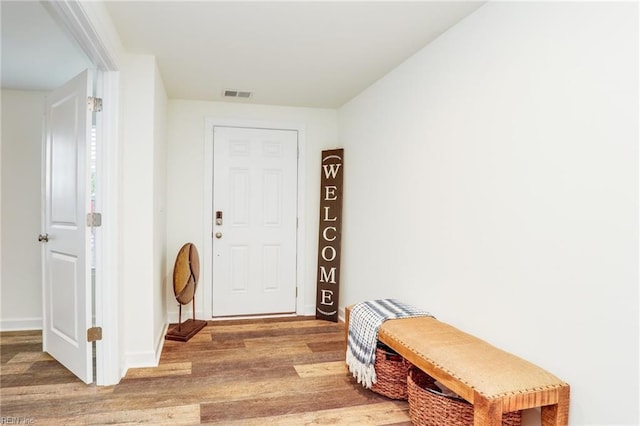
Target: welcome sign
330 235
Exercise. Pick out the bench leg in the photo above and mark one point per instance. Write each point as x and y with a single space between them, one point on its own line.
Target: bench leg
487 413
557 414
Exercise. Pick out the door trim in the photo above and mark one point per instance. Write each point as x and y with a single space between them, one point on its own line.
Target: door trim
206 288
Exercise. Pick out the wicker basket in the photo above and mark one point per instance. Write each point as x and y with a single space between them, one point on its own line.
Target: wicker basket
391 373
429 407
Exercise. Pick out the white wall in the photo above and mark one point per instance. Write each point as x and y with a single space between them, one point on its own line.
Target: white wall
162 277
493 179
142 211
21 282
185 177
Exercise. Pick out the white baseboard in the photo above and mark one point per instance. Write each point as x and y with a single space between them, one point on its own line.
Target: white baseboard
160 343
21 324
186 314
140 360
145 359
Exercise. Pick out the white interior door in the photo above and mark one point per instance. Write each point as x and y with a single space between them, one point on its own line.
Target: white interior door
254 230
66 254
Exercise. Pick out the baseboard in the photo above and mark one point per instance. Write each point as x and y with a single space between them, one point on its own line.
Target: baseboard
160 343
186 314
21 324
140 360
146 358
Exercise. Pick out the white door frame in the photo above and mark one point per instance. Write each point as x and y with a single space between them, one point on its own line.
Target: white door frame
102 48
206 305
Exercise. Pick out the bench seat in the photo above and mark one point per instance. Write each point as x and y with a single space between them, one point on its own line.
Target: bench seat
493 380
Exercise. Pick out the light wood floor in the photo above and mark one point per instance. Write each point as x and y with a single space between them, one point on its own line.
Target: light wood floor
277 371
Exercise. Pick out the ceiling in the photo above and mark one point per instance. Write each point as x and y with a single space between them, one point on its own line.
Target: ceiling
313 54
37 54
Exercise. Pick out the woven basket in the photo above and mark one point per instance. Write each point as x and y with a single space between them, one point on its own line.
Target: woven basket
391 373
429 407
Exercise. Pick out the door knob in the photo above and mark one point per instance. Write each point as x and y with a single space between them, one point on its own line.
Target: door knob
43 238
218 235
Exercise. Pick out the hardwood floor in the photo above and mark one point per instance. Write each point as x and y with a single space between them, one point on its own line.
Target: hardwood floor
285 371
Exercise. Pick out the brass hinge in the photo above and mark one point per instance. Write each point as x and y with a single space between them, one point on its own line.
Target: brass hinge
94 104
94 220
94 334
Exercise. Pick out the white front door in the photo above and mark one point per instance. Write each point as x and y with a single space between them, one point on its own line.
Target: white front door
66 261
254 230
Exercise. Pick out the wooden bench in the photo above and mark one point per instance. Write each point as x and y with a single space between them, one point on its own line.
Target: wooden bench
493 380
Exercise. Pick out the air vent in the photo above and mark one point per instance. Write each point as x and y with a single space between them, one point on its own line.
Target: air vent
228 93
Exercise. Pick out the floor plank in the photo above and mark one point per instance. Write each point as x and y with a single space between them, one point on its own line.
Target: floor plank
163 370
373 414
264 371
321 369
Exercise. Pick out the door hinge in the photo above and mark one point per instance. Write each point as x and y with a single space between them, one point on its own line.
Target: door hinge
94 220
94 104
296 292
94 334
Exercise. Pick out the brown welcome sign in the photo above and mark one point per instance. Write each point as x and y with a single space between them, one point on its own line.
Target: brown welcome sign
330 235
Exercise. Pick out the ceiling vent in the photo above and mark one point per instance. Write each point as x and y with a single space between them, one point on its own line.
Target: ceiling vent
228 93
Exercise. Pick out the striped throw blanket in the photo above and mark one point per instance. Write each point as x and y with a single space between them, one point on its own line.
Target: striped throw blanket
364 322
